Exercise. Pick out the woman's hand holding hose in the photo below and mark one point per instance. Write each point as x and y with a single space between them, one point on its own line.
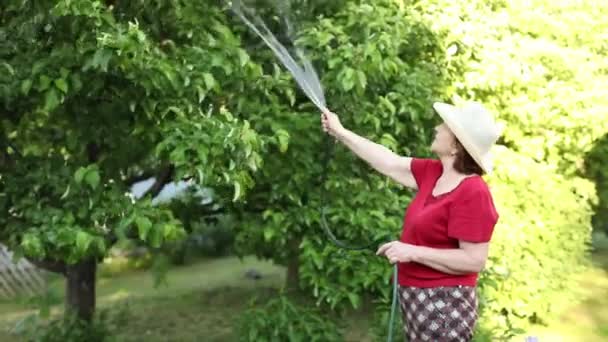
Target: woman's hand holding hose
332 125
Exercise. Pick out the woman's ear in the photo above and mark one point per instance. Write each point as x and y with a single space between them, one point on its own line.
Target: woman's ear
455 146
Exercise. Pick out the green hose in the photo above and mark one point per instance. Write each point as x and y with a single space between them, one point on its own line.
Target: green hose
391 321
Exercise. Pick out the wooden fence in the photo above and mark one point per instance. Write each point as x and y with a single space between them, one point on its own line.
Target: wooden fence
18 279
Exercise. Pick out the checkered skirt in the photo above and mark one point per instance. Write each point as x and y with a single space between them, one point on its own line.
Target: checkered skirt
438 314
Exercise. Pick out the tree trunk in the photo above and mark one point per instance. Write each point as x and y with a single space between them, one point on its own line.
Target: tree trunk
293 265
80 289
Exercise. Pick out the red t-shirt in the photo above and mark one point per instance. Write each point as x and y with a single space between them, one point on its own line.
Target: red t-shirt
466 213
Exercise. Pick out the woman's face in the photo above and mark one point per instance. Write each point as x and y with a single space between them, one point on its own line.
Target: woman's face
444 142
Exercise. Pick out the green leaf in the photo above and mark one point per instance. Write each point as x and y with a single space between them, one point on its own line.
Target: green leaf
156 238
201 94
168 231
143 225
51 100
9 68
83 240
79 175
101 59
388 105
32 246
121 229
209 80
362 79
65 193
65 237
201 176
64 72
237 191
44 83
268 233
243 57
354 299
283 137
92 178
62 85
347 79
334 62
26 85
76 82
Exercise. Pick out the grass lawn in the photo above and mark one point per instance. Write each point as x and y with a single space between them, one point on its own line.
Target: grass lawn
199 300
202 301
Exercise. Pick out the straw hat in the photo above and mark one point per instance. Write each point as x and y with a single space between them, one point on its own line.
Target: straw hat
474 127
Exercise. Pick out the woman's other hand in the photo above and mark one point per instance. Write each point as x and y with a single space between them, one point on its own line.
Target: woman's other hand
397 251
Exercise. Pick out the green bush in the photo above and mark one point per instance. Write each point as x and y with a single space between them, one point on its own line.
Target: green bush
213 238
282 320
595 169
115 265
381 319
71 329
209 237
540 243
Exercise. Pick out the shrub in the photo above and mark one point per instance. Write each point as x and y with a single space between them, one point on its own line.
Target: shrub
282 320
540 243
71 329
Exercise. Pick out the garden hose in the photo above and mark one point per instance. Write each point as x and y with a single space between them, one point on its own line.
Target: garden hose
329 148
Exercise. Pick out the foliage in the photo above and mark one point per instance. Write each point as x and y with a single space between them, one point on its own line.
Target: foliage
96 94
71 328
210 228
595 170
129 81
537 66
213 238
282 320
113 266
534 243
381 88
381 320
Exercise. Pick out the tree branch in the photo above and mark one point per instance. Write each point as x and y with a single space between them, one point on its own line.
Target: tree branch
138 178
50 265
93 151
164 176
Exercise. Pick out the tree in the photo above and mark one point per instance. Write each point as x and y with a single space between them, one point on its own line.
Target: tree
98 94
538 67
382 89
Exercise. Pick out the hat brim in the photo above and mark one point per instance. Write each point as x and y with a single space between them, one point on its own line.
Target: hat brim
448 114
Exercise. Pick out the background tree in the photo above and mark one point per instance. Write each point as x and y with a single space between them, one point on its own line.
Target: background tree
97 95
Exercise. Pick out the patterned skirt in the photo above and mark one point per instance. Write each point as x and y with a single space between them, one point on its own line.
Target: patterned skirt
443 314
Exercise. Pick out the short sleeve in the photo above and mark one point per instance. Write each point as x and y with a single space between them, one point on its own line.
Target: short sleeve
472 215
422 168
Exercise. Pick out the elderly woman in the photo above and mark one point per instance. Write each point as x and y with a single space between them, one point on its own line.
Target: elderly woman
448 225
